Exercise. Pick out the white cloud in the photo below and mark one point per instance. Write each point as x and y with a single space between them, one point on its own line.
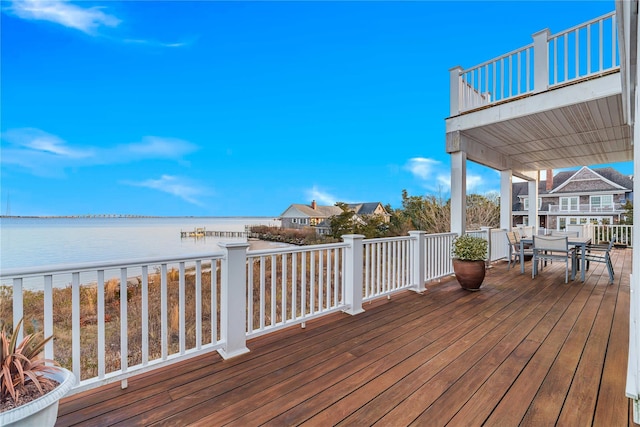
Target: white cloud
44 154
423 168
37 140
176 186
154 146
87 20
321 197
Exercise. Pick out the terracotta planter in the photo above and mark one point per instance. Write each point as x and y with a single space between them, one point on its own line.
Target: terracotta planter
470 274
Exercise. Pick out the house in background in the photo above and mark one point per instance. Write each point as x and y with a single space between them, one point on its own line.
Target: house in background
595 196
314 215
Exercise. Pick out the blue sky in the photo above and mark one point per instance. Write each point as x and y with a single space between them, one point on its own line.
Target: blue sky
210 108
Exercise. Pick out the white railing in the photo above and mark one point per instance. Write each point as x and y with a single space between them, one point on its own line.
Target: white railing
497 246
587 208
505 77
177 308
437 255
104 338
290 286
621 234
387 266
586 50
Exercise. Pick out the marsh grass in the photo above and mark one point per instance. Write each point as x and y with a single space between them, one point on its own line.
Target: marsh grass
275 310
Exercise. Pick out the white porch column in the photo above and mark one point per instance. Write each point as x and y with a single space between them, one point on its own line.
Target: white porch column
353 273
233 300
417 245
506 201
633 363
458 192
533 204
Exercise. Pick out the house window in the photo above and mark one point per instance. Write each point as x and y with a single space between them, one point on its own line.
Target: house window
525 202
602 201
569 203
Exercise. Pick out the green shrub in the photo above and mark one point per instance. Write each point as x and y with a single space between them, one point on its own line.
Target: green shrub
469 248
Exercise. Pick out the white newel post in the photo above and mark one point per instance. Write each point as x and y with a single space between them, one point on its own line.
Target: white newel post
417 248
541 61
487 230
233 300
353 273
454 91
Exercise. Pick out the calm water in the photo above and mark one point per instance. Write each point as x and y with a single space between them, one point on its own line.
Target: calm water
29 242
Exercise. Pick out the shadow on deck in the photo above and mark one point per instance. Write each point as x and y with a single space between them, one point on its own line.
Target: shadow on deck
519 352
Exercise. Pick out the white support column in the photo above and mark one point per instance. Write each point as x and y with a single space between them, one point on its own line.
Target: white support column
633 362
533 204
541 61
233 300
418 257
353 273
458 192
506 188
454 91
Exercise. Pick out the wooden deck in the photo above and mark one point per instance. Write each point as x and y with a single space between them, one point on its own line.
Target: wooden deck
519 352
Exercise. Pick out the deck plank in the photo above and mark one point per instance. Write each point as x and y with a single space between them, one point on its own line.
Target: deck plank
521 351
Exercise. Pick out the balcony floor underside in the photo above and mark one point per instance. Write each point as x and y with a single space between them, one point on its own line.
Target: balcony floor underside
521 351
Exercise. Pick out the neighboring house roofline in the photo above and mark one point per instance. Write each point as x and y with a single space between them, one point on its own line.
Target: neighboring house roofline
570 179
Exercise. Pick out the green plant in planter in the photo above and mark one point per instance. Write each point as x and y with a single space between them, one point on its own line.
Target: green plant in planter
468 253
22 363
469 248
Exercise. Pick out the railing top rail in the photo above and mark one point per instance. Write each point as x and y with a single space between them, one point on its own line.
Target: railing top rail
583 25
387 239
309 248
103 265
497 58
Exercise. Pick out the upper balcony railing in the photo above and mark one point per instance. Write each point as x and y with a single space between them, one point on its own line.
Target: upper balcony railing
586 209
586 50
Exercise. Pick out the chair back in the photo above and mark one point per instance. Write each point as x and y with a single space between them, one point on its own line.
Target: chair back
514 239
565 233
551 243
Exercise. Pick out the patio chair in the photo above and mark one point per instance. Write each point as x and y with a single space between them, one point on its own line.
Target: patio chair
553 248
600 253
513 239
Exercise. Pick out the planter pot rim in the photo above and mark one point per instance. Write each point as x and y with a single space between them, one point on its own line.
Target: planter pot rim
66 380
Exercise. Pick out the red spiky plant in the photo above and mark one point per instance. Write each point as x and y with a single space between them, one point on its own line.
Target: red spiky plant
22 363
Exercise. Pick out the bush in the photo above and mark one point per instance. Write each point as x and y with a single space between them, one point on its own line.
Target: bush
469 248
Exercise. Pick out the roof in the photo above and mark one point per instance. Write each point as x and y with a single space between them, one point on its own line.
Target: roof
597 179
367 208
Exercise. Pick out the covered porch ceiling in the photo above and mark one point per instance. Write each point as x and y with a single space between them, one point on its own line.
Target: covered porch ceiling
573 125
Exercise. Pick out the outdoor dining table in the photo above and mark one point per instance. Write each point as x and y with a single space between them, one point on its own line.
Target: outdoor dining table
581 242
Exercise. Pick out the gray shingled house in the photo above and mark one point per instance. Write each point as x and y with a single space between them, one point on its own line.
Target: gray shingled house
314 215
579 196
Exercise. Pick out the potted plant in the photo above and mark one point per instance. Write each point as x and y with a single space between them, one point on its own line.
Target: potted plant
30 385
469 254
